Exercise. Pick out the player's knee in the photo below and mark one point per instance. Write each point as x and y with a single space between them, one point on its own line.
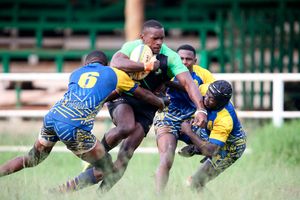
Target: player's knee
126 129
166 163
99 150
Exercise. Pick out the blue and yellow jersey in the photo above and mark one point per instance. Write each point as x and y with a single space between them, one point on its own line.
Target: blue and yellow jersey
222 125
89 87
179 99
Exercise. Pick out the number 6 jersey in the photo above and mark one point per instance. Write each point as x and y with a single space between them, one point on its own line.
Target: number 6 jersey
88 88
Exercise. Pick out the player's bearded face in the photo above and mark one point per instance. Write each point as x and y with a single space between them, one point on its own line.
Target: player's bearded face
154 38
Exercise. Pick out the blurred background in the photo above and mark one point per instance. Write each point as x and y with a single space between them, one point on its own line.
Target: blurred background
231 36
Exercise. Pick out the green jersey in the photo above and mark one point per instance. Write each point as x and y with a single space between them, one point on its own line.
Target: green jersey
174 63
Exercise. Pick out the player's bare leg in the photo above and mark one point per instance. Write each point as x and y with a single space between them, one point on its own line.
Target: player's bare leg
35 156
204 174
125 125
128 146
124 119
102 166
166 144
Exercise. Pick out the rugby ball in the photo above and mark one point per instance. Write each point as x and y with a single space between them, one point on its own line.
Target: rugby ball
142 53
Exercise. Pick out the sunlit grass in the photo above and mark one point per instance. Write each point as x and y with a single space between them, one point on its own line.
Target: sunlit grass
270 171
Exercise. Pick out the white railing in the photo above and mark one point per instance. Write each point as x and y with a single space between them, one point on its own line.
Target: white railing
278 79
277 114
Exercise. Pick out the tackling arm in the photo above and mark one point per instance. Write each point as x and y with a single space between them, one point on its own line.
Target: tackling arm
149 97
126 84
113 95
187 82
206 148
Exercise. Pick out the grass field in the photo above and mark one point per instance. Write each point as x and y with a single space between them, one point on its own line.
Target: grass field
270 171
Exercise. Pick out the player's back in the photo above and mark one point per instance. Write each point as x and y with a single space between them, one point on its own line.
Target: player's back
92 83
88 88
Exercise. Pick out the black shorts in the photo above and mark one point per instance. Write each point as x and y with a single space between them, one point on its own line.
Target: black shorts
143 112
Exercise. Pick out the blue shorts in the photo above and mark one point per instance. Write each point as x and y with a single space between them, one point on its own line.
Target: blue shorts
227 155
77 140
171 122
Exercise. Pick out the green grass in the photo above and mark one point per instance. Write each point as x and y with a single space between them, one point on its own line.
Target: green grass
270 171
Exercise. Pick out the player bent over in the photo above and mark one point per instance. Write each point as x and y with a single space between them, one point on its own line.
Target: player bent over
72 118
222 142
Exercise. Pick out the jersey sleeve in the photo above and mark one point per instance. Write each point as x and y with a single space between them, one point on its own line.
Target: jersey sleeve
175 65
125 83
222 127
203 88
205 75
128 47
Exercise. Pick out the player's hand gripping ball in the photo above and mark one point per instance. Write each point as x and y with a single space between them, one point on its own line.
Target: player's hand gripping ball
142 53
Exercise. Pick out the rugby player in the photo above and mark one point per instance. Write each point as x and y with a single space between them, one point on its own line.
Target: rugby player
168 124
132 117
222 142
72 118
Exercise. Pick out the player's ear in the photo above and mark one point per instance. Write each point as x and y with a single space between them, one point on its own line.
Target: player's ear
142 36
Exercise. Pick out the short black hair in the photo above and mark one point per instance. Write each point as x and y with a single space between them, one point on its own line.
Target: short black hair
96 56
187 47
152 24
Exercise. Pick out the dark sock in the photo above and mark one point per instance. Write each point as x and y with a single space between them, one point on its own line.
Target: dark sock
104 164
104 143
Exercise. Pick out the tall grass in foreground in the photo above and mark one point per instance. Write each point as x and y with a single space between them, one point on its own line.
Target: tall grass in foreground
270 171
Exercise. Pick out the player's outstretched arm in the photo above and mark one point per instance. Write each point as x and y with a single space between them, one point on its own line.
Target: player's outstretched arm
149 97
187 82
126 84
